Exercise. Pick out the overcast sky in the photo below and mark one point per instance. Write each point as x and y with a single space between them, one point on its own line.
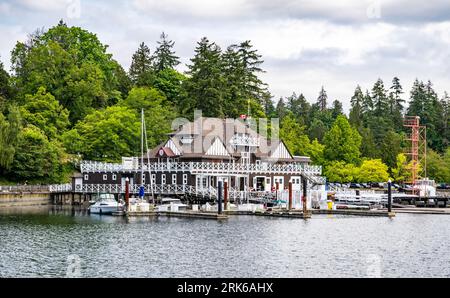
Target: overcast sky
305 43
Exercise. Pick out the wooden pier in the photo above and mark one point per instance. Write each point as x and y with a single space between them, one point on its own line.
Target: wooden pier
309 213
415 210
277 213
186 214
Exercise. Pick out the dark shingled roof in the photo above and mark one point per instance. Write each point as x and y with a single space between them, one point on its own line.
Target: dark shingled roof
204 131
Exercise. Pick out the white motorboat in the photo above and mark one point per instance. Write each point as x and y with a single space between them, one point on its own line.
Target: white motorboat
171 204
106 204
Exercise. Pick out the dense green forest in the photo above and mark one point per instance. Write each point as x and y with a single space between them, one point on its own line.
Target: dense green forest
67 99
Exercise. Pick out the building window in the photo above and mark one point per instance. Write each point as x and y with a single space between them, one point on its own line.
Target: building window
153 178
163 179
114 177
86 177
185 179
143 178
174 178
202 181
105 177
258 162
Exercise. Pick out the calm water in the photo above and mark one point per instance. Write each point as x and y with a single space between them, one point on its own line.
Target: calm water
44 243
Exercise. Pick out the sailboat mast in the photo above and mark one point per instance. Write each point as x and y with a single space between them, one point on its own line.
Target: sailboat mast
142 147
148 162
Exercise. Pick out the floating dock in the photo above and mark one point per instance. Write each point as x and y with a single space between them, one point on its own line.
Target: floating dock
415 210
186 214
272 213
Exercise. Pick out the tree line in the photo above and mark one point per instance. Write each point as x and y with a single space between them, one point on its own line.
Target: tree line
67 99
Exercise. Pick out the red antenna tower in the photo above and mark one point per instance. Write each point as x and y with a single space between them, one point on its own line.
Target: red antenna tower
418 149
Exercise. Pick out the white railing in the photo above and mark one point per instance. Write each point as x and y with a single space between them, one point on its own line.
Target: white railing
60 187
157 189
206 168
24 188
234 194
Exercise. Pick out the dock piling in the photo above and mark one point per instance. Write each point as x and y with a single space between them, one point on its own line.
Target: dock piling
306 214
219 197
290 196
225 195
127 192
390 213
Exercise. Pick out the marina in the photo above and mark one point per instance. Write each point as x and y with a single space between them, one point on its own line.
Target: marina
42 241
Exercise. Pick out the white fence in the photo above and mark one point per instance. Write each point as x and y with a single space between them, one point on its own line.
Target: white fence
204 167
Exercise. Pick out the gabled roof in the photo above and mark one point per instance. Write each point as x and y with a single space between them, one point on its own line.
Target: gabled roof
212 137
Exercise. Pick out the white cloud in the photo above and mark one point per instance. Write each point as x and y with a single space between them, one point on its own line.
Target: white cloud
45 5
194 8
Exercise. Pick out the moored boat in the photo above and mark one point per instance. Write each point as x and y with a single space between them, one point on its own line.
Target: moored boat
106 204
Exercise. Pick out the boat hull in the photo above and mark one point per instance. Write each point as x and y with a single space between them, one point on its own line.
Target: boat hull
104 209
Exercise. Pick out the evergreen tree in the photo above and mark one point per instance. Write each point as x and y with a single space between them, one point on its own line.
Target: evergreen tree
251 66
424 103
396 104
5 87
445 103
299 107
141 71
205 86
379 99
336 109
396 91
367 105
368 147
355 116
235 101
269 108
390 148
281 109
322 99
418 99
241 68
164 56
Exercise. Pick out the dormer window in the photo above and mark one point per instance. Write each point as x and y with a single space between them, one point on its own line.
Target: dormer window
244 139
187 139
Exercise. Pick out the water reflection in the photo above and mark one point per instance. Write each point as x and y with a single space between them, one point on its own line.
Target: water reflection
46 241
